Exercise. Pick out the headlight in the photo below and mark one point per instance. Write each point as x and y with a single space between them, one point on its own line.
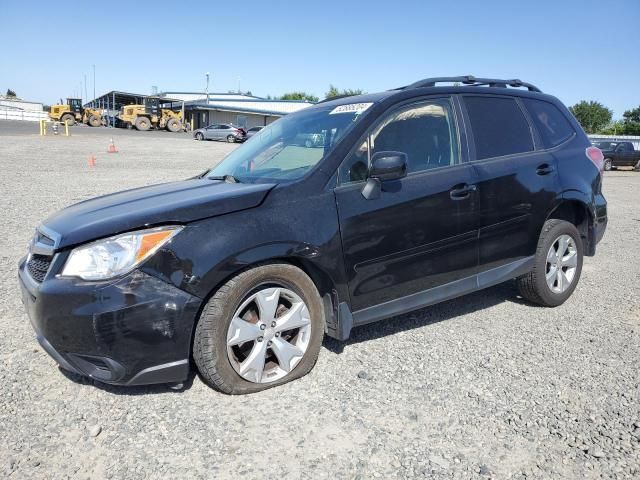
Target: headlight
116 255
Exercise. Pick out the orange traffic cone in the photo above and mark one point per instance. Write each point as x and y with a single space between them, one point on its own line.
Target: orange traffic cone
92 161
112 147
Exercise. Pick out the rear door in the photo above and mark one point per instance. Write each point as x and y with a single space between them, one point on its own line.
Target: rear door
517 182
421 232
223 131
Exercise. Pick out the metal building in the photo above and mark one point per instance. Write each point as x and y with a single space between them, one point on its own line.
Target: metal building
247 111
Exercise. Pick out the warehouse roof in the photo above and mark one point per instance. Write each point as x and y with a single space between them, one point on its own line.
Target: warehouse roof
116 99
189 96
257 106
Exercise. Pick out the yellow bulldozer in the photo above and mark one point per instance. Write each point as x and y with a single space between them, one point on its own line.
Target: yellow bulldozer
72 112
144 117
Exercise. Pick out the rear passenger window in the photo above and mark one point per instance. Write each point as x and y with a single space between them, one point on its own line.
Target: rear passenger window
499 126
553 126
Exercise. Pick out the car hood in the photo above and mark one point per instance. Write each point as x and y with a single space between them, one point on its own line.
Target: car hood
167 203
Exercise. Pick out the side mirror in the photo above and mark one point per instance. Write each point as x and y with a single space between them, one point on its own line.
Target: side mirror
385 166
388 166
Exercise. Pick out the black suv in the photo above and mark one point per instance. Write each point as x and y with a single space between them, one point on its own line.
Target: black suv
405 198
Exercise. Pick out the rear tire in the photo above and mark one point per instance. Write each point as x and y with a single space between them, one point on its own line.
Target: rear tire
69 119
143 124
214 336
608 164
231 138
95 121
557 265
174 125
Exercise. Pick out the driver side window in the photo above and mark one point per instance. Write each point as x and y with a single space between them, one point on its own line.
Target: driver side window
425 131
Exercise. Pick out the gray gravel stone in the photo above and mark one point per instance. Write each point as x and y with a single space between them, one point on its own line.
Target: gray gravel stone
596 452
439 461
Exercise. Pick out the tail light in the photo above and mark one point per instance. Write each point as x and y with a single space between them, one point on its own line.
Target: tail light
595 155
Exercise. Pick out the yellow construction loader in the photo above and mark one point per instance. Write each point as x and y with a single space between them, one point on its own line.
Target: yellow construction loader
143 117
72 112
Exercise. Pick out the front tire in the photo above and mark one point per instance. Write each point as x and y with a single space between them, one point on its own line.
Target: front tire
95 121
557 267
143 124
69 119
262 328
199 136
608 164
174 125
231 138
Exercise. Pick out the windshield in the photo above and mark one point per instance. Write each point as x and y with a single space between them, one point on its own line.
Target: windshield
290 147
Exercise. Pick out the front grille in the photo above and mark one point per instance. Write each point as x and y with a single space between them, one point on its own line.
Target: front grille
38 265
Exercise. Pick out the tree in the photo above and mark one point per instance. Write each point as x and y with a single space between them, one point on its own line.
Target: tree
299 96
593 116
614 128
11 93
334 92
631 122
632 115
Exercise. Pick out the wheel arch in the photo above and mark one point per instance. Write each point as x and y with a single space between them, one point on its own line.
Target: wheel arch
328 288
574 209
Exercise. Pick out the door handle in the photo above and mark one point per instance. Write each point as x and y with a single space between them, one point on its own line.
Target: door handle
544 169
461 192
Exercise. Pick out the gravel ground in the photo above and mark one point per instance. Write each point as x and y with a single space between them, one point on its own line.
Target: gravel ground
485 386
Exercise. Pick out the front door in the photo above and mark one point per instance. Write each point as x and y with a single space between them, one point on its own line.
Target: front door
421 231
210 132
626 155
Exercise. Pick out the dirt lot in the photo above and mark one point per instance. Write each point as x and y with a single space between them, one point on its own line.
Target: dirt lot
478 387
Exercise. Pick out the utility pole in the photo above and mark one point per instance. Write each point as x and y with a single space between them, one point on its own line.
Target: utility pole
238 84
86 97
94 81
207 90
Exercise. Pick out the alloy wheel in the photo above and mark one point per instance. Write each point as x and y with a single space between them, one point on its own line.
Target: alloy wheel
562 262
268 335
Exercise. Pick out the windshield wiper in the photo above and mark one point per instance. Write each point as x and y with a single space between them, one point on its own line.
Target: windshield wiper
225 178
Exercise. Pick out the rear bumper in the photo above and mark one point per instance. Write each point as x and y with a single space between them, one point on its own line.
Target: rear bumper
132 331
599 224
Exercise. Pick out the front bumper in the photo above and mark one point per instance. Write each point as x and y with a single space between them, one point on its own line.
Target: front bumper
131 331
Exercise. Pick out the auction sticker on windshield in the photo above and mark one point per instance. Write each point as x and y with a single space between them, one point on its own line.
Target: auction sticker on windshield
351 108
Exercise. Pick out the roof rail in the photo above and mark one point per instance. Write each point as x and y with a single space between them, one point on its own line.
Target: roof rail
471 80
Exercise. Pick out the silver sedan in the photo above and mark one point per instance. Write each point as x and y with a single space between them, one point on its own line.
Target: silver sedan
220 131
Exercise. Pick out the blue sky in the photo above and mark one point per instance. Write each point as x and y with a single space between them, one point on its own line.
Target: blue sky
572 49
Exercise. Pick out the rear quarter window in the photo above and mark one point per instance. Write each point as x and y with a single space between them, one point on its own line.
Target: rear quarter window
552 125
499 127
